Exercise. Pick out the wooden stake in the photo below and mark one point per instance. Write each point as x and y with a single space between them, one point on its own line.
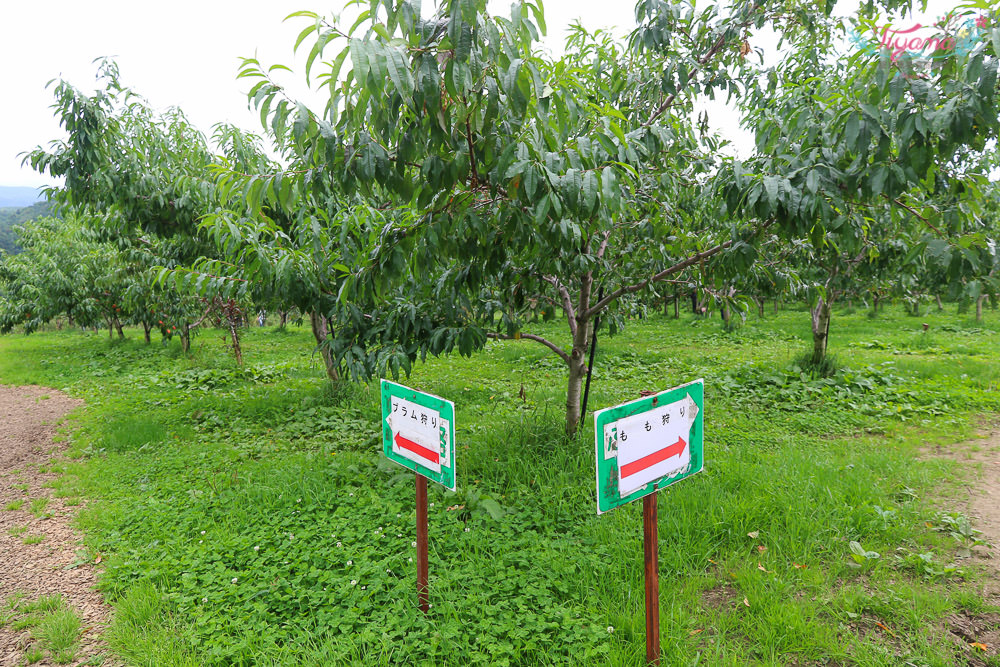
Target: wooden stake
649 548
422 595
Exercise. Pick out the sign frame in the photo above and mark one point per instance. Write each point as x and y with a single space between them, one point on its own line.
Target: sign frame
446 475
607 471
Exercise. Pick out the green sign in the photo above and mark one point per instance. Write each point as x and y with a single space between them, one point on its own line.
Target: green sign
418 432
649 443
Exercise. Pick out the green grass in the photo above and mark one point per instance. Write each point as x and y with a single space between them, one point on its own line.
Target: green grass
14 505
38 506
33 539
59 633
33 655
205 473
54 628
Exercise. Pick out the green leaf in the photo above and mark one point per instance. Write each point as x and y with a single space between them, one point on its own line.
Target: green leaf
301 124
492 508
879 179
394 74
851 131
590 187
812 181
359 59
541 209
896 88
464 46
517 168
308 30
771 186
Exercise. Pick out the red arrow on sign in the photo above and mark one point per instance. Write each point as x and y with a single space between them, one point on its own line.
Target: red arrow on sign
419 450
652 459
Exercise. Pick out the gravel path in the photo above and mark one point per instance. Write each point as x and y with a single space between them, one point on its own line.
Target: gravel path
979 500
28 420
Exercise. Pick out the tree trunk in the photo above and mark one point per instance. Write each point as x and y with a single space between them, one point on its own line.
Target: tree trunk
760 307
694 301
577 362
185 337
235 336
118 327
146 328
577 374
283 318
775 305
820 331
979 307
940 306
677 305
321 332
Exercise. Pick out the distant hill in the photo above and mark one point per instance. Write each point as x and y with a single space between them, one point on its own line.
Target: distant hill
19 197
11 216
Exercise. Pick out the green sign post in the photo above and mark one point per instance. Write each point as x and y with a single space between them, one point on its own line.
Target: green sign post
418 432
641 447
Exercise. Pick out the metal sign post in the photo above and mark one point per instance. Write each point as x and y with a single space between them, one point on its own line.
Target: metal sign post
423 597
418 433
649 552
642 446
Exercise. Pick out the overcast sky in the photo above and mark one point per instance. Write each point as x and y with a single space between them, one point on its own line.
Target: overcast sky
186 54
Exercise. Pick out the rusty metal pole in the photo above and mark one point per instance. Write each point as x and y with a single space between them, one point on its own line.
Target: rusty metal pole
422 595
649 548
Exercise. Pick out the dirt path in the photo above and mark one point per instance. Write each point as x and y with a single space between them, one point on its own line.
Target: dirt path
984 503
979 500
28 420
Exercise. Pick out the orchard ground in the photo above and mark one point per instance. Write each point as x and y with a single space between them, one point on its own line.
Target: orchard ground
245 515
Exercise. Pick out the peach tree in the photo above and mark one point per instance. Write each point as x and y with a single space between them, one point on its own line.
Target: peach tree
501 181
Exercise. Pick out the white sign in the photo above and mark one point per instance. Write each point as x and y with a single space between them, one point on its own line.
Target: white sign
652 444
418 433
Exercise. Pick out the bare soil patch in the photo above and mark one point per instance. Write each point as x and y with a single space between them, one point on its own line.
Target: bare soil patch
28 420
979 500
723 597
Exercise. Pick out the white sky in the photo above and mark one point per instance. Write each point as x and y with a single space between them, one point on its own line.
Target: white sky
185 53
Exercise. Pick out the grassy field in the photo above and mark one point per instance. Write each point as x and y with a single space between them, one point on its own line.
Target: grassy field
245 516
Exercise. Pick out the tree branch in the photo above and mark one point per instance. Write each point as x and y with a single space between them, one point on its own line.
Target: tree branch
657 277
919 217
604 245
567 301
203 317
549 344
472 154
701 63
